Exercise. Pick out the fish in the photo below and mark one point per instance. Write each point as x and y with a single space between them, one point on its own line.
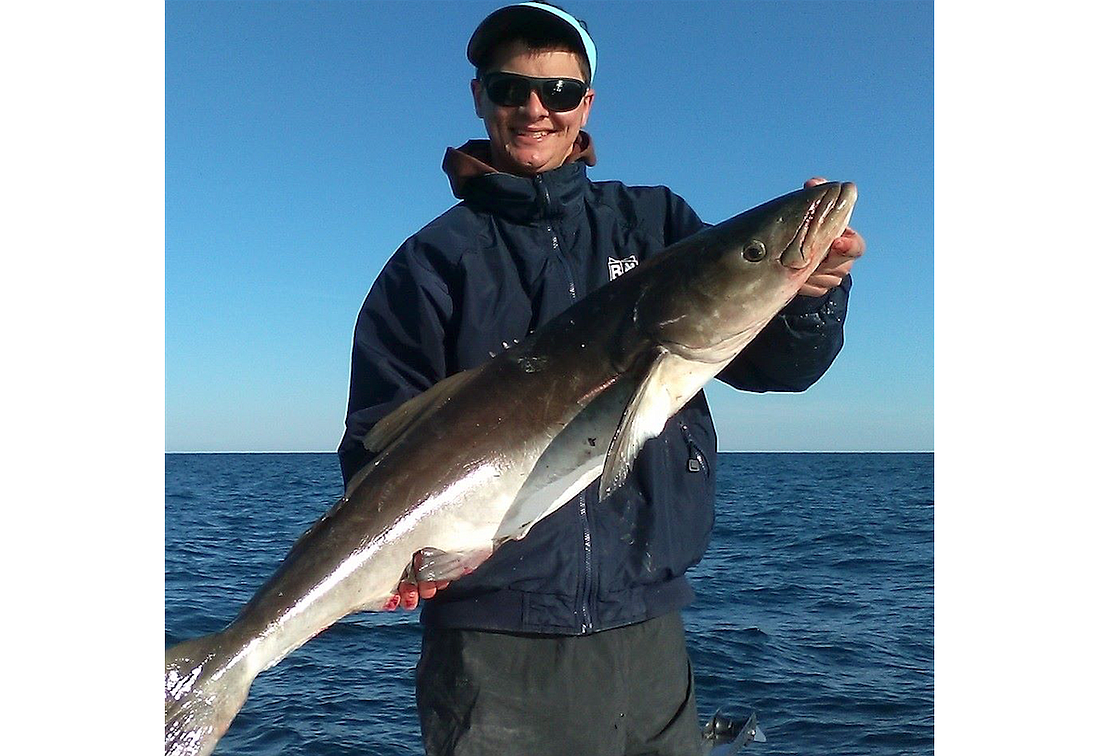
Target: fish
481 457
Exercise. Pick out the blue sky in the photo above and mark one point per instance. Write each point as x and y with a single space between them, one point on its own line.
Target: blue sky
303 144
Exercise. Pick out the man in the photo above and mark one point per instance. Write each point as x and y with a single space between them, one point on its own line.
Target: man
569 641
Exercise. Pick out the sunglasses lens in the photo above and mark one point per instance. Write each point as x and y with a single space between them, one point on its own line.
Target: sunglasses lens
562 94
508 91
513 90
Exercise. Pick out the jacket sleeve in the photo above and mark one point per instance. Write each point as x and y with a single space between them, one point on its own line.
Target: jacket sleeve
797 347
398 347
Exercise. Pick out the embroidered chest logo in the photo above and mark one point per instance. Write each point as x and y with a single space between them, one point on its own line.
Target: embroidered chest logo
616 268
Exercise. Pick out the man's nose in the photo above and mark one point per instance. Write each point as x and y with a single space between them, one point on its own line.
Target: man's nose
534 106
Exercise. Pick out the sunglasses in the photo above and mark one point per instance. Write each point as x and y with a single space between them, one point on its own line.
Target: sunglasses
510 90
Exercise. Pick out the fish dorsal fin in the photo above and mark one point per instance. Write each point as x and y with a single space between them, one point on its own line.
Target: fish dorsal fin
644 418
390 428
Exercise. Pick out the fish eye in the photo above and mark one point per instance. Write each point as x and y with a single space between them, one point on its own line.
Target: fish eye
754 251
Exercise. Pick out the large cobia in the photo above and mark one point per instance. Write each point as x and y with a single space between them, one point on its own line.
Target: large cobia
485 454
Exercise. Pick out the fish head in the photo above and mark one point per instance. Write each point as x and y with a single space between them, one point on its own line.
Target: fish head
727 282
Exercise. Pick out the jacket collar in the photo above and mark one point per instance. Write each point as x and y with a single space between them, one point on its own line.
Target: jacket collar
551 194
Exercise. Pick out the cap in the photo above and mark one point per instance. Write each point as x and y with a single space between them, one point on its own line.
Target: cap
504 20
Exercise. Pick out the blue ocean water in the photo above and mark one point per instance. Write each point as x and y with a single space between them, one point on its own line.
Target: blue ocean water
814 604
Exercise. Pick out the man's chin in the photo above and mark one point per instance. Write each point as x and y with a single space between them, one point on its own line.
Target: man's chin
529 161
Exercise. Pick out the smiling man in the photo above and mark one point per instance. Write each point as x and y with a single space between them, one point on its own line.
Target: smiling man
569 641
526 134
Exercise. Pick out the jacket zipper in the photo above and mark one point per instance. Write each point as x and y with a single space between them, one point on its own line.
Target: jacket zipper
586 588
586 530
697 461
544 195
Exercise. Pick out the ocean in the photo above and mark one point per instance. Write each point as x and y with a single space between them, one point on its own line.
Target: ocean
814 604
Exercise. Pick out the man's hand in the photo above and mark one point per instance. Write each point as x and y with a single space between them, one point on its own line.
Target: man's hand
839 260
409 594
410 591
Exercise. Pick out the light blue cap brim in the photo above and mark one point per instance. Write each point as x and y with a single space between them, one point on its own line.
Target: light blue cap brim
582 33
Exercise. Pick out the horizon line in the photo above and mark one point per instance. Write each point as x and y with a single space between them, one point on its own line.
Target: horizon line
720 451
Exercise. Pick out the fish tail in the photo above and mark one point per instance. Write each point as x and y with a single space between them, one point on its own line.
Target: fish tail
206 682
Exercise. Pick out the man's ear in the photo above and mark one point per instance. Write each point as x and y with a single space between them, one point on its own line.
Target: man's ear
586 103
475 90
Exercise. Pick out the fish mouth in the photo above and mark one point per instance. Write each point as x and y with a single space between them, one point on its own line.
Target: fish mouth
824 220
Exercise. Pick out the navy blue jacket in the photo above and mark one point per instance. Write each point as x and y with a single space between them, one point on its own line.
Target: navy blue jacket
514 253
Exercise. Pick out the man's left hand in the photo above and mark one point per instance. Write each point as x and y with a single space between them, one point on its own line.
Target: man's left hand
838 262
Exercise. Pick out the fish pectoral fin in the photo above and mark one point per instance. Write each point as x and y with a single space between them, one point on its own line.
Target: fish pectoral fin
525 528
390 428
644 418
435 565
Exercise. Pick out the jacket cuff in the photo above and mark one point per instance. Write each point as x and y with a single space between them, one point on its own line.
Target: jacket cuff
802 305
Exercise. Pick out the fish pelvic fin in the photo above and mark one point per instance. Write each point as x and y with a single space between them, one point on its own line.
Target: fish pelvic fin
644 418
431 564
204 688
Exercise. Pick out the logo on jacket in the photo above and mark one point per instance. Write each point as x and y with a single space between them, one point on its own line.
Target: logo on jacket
616 268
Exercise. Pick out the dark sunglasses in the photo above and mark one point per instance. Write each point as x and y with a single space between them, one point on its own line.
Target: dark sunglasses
510 90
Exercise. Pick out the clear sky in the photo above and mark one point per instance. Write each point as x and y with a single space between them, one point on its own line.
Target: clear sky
304 142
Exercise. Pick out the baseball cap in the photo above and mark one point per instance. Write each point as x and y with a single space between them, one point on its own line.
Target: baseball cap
505 20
